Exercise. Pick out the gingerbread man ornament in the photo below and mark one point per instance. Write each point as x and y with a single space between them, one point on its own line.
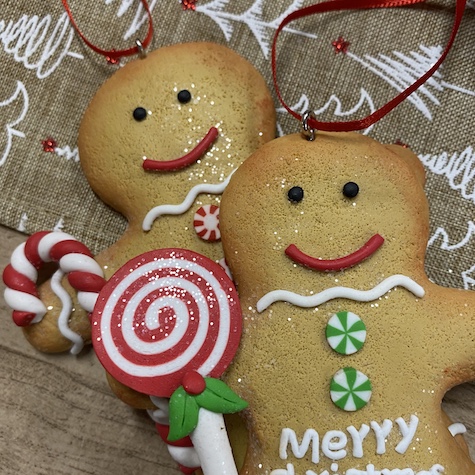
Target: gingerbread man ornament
158 143
348 348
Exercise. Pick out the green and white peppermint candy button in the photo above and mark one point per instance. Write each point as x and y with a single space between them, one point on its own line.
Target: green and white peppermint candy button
350 389
346 333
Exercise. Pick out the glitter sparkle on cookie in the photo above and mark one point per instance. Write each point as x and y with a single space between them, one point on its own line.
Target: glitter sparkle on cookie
49 144
188 4
340 45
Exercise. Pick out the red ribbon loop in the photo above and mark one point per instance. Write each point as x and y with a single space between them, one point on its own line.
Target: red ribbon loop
338 5
115 54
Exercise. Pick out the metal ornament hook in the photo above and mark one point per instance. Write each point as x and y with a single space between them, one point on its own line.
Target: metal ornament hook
307 131
140 49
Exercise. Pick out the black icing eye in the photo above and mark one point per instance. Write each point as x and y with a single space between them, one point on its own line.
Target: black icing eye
139 114
295 194
184 96
351 189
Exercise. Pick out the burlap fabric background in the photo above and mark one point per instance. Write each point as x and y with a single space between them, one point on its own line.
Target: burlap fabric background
48 76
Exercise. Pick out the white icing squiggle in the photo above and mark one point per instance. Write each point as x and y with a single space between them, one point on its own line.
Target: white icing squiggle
457 428
185 205
66 309
307 301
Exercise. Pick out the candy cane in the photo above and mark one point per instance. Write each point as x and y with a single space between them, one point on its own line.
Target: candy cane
73 258
161 323
182 451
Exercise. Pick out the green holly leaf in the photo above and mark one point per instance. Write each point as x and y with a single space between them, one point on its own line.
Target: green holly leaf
220 398
184 412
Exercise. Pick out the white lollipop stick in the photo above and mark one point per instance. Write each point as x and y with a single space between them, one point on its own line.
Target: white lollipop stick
210 440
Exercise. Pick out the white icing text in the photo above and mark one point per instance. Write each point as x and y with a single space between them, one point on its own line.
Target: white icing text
370 470
334 444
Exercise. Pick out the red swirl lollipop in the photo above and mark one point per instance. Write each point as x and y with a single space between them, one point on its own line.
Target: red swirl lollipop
163 314
163 322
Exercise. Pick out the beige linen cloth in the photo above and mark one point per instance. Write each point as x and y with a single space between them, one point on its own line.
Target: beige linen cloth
48 76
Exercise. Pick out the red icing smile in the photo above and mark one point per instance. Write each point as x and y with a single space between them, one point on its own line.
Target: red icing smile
340 263
188 159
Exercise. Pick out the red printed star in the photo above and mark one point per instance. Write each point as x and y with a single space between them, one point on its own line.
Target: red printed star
49 144
401 143
189 4
112 59
340 45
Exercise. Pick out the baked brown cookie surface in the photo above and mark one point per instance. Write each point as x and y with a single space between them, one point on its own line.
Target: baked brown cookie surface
158 143
347 348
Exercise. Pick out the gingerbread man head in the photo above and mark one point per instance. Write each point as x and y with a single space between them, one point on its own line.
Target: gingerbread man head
347 346
161 137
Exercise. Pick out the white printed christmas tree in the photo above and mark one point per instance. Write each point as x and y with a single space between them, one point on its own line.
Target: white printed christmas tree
12 111
441 234
442 240
22 223
468 277
39 43
458 168
140 15
68 153
253 17
401 70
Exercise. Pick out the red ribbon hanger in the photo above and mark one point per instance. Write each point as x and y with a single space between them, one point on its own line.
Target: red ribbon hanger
324 7
338 5
113 54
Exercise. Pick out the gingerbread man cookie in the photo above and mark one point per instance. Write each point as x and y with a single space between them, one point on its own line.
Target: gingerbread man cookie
348 348
158 143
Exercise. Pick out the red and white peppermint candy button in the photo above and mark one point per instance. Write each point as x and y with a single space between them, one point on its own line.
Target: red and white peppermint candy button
206 223
163 314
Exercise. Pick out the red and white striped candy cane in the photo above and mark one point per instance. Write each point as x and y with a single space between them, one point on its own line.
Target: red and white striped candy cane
73 258
181 451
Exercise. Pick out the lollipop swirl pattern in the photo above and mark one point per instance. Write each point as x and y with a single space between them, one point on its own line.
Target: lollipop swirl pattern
165 313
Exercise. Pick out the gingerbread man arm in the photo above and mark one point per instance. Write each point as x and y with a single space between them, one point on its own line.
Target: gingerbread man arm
453 332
